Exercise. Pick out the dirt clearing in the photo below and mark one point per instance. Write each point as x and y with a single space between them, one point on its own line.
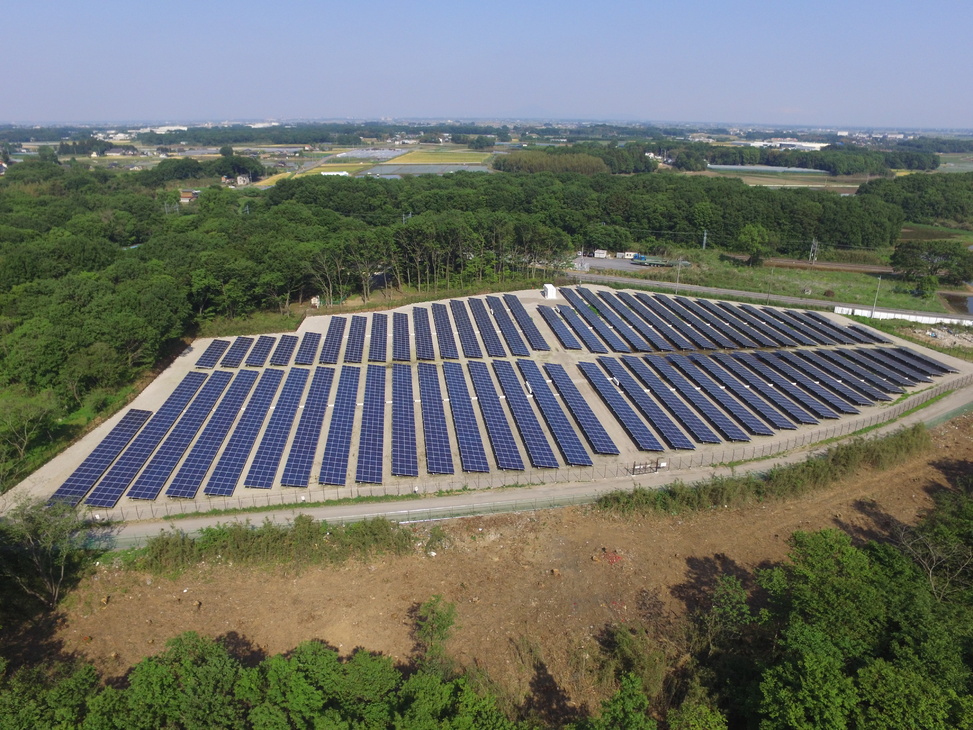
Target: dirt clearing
531 589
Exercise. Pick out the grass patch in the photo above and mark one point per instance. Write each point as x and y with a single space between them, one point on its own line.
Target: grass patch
304 542
782 482
258 323
366 499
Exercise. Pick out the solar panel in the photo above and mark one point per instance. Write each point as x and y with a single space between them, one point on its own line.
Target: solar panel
300 458
154 476
614 342
777 325
783 385
822 328
332 341
672 403
83 478
670 432
581 328
505 449
838 358
719 420
753 325
586 419
467 337
718 393
844 375
439 458
661 326
109 490
560 330
793 375
444 332
870 334
637 322
527 326
572 449
734 324
378 343
281 356
828 380
420 320
713 327
238 350
266 460
691 320
665 314
866 359
538 449
371 442
404 460
514 341
401 349
334 462
918 357
185 484
631 421
491 340
634 340
471 452
260 352
307 352
228 469
822 322
750 396
355 347
884 357
817 337
212 354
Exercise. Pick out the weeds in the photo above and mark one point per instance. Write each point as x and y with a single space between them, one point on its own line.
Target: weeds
781 482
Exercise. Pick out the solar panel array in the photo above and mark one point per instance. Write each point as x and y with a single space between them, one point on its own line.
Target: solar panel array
226 473
401 349
297 470
334 463
263 469
113 484
212 354
238 350
204 429
190 476
371 441
420 321
154 476
467 337
332 341
502 441
260 352
404 459
439 458
538 448
471 452
378 342
507 328
355 347
83 478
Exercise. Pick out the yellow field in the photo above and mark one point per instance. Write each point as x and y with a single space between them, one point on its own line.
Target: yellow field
441 157
349 167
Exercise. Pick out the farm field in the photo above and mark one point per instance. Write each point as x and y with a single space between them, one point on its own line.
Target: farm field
844 184
446 156
956 162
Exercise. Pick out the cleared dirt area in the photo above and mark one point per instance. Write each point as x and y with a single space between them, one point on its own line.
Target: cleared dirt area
532 590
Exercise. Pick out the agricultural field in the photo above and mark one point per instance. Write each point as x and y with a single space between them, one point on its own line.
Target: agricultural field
810 179
956 162
443 156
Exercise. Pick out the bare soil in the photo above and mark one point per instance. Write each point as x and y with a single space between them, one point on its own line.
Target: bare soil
532 590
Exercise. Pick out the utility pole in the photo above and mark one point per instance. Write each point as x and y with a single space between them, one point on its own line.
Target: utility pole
875 303
704 239
813 256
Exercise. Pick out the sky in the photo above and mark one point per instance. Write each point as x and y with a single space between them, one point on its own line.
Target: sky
854 63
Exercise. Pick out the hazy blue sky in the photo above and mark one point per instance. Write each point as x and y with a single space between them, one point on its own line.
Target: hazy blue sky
848 63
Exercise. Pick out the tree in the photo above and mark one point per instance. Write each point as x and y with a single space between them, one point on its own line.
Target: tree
44 546
948 260
24 417
226 151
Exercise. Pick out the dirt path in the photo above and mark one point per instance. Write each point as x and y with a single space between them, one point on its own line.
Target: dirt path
532 589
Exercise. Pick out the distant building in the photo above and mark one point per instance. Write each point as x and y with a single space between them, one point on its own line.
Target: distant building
188 196
342 173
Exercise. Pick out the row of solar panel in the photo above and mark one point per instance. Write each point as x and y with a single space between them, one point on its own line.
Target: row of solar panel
685 400
622 322
244 351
